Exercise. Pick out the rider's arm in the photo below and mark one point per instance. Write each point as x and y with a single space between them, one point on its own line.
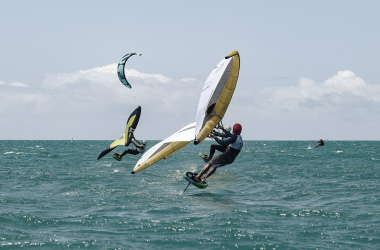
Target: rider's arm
227 142
137 146
218 133
226 133
140 144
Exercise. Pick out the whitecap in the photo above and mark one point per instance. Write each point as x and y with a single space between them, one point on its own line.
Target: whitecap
70 193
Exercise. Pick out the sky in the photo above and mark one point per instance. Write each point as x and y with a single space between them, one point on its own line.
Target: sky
309 69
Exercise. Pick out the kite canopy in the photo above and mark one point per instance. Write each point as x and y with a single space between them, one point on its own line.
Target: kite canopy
121 68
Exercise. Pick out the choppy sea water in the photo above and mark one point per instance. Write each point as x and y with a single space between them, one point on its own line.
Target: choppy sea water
276 195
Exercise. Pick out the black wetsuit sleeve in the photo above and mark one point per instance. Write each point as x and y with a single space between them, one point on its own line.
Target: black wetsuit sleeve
227 133
227 142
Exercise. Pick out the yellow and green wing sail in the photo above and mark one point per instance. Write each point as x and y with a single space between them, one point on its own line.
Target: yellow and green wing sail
125 139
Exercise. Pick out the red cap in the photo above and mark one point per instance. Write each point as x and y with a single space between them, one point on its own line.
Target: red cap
237 129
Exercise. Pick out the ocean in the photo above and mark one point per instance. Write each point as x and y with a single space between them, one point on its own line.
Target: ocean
276 195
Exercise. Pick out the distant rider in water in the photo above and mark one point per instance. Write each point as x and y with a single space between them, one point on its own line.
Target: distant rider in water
321 143
218 147
233 145
140 148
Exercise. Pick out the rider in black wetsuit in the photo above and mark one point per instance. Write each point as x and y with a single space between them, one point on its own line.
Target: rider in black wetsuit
233 145
218 147
140 148
321 143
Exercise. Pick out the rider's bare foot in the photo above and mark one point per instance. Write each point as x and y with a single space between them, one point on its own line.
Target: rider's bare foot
197 178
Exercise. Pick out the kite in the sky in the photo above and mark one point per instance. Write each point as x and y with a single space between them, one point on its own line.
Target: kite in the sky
121 67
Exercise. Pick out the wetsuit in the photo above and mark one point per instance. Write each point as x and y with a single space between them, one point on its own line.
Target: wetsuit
130 151
233 145
218 147
136 151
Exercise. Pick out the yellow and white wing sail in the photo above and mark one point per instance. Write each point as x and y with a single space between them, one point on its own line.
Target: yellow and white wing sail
216 95
166 148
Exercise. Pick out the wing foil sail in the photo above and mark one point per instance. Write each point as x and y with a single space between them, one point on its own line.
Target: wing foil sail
166 148
125 139
216 95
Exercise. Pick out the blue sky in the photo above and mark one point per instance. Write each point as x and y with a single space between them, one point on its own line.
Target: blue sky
309 69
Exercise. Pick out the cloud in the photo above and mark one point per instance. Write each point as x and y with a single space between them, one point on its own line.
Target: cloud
101 76
335 93
14 84
189 79
343 106
96 76
93 104
99 86
16 96
131 74
97 95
